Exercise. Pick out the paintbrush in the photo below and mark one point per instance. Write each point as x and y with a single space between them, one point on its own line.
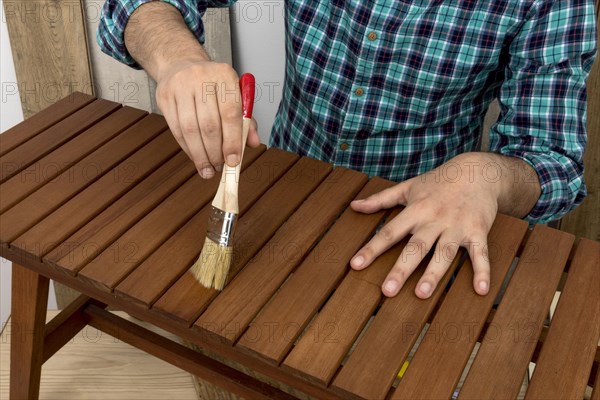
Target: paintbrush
212 266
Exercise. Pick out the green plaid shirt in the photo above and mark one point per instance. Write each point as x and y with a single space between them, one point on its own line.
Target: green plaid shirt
396 88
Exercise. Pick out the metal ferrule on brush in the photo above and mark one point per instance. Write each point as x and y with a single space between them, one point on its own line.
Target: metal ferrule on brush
221 225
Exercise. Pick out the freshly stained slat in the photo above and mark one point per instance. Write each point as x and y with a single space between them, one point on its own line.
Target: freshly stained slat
33 125
104 229
56 227
574 331
231 312
328 338
274 331
37 147
49 197
507 347
379 355
121 257
47 168
186 298
437 366
266 215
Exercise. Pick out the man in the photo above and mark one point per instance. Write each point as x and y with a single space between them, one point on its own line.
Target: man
397 89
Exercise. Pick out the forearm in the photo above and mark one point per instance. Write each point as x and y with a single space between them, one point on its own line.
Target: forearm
156 35
513 180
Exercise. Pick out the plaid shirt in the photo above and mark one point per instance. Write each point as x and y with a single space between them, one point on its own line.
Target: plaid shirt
396 88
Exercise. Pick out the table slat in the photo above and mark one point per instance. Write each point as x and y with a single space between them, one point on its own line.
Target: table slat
437 366
274 331
373 365
506 350
329 337
231 312
574 331
105 228
38 146
27 181
186 298
49 197
42 120
117 261
149 280
63 222
266 214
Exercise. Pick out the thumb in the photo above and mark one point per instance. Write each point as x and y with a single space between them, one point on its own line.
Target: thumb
253 138
385 199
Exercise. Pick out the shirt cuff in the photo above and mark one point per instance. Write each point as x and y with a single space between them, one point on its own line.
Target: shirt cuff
561 181
115 15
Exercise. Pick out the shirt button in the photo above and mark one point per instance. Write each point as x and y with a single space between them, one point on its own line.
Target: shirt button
344 146
372 36
359 92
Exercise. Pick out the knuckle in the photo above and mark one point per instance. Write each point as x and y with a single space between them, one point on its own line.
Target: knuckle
189 128
211 129
387 233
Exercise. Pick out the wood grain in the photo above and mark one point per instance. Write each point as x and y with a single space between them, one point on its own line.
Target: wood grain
134 246
41 121
331 334
506 350
37 147
49 167
186 299
49 197
49 48
574 331
29 300
79 210
437 366
184 244
281 321
231 312
374 364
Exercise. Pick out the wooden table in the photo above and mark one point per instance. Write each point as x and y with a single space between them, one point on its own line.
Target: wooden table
100 198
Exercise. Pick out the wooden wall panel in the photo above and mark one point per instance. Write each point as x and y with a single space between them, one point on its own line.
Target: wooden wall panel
51 59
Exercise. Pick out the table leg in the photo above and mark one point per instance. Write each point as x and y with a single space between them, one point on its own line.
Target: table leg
29 303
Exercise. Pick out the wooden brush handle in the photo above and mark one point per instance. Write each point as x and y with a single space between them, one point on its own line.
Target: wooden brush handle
226 198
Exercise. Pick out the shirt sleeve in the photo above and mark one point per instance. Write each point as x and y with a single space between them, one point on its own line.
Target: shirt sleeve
116 13
543 101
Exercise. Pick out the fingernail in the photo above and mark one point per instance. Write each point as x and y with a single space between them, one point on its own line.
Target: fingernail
232 160
358 261
207 173
391 287
425 288
483 286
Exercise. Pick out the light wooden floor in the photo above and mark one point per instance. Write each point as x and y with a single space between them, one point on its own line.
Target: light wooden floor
97 366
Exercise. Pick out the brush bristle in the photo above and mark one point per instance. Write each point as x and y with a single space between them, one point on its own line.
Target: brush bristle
212 266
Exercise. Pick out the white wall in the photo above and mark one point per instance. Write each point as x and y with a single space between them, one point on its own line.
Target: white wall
258 47
10 115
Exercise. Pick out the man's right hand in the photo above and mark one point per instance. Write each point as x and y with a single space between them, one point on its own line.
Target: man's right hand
201 103
199 98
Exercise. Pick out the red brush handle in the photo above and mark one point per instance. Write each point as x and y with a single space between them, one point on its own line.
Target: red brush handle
247 84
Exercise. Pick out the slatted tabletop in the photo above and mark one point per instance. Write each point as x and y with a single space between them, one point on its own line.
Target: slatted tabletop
99 197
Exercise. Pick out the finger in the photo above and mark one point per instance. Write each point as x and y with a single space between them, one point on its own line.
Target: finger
385 199
209 122
481 265
413 253
186 112
253 137
169 111
230 110
391 233
444 254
